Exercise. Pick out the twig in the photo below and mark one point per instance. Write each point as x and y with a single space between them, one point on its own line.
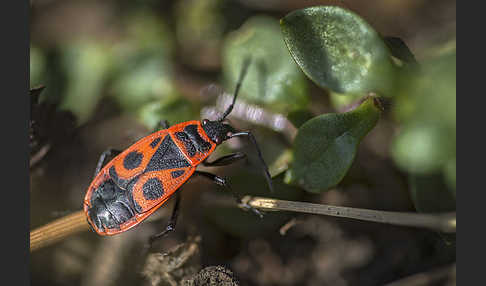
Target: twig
288 225
57 230
444 222
39 155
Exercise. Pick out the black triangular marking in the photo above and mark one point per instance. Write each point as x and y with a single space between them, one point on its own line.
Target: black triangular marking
167 156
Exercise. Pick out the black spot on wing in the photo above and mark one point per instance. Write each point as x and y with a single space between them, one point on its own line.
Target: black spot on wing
132 160
177 174
152 189
167 156
154 143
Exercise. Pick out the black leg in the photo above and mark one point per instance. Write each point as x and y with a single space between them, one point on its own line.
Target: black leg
103 158
225 160
265 167
172 221
222 182
163 124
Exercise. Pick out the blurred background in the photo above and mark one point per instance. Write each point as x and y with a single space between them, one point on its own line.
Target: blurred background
113 69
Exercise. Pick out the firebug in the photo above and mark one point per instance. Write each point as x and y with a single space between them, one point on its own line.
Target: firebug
139 180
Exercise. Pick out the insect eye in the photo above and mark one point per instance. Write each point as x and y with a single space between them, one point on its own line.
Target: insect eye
205 121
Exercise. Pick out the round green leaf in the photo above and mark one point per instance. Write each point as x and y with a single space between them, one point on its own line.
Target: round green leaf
273 78
422 148
338 50
326 145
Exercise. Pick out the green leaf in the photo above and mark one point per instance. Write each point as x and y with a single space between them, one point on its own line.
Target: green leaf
325 146
200 25
341 101
338 50
429 195
146 32
429 95
37 66
87 66
422 148
273 79
173 108
426 108
299 117
400 50
147 80
142 57
199 20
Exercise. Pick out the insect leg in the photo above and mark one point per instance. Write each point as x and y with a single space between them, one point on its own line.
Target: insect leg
103 158
225 160
222 182
248 134
172 221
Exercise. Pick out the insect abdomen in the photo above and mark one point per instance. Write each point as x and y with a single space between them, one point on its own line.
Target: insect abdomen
110 206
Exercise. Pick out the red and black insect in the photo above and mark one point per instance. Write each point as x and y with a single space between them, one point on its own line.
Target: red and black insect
139 180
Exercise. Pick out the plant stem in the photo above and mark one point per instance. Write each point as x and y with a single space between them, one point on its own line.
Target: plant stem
444 222
57 230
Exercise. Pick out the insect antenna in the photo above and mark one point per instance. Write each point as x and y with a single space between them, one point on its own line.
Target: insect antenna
244 69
